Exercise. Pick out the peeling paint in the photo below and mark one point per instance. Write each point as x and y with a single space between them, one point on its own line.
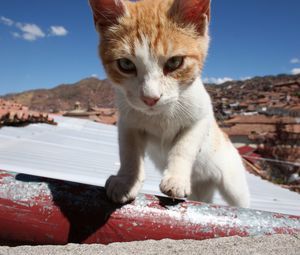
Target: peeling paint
212 220
45 211
20 191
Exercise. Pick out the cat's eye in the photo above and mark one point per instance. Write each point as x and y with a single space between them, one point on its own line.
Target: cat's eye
173 63
126 66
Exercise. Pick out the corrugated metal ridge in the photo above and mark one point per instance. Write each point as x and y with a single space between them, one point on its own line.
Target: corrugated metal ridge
86 152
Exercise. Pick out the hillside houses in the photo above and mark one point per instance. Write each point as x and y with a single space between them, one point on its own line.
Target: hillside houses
281 97
247 129
253 108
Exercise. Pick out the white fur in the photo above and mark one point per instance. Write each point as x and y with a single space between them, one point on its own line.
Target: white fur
179 133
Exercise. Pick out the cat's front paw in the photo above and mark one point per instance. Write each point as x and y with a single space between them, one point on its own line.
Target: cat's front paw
175 186
122 189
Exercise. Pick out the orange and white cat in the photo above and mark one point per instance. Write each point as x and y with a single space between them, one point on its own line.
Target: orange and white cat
153 52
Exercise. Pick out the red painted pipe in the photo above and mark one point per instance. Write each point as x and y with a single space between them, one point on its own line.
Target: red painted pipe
43 211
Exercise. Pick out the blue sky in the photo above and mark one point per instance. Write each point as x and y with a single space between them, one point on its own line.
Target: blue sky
46 43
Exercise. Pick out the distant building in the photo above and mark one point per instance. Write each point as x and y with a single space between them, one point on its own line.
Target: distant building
102 115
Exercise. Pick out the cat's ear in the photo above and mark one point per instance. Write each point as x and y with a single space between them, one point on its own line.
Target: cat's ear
107 12
195 12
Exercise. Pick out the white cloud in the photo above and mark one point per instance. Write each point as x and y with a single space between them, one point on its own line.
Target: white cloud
6 21
294 61
94 75
295 70
217 80
58 31
30 32
16 34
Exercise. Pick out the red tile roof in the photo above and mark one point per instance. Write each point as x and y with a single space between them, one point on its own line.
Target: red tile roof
260 119
13 114
246 129
245 150
252 158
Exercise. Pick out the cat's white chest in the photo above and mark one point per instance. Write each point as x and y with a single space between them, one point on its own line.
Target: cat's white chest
159 128
158 149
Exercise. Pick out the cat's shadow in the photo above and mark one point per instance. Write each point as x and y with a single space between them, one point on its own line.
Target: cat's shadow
86 207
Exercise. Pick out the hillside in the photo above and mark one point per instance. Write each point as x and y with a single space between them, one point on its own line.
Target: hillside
272 95
276 91
89 92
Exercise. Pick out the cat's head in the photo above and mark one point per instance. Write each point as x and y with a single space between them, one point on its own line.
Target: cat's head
152 50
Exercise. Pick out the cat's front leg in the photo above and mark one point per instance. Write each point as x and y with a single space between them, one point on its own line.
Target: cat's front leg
176 181
125 186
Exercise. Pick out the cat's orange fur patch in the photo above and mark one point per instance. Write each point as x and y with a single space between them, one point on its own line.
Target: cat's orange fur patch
166 38
220 138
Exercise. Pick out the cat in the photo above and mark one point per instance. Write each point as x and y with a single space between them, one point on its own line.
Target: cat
153 52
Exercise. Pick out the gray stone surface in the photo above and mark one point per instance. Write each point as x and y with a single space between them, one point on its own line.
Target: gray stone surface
259 245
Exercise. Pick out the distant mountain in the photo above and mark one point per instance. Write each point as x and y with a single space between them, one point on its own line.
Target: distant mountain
99 93
258 82
90 92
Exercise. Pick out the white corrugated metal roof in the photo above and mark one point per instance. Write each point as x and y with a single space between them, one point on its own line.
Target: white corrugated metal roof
87 152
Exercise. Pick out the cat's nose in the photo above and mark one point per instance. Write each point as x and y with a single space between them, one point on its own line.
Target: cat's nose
150 101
